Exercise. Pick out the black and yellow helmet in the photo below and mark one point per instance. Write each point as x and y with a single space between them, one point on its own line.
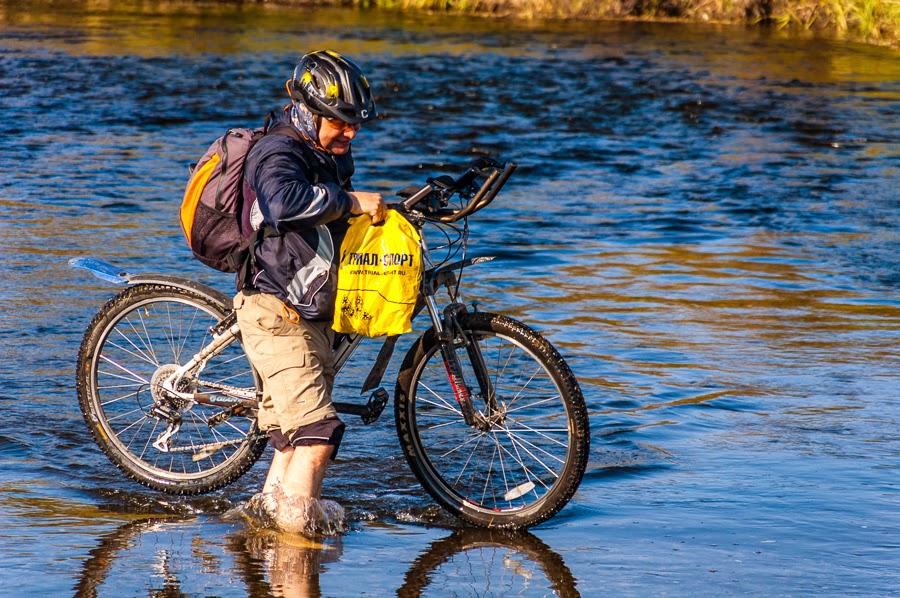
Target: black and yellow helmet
329 85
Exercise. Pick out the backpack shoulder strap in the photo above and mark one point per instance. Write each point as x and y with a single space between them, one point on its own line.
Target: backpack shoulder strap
246 262
293 133
288 130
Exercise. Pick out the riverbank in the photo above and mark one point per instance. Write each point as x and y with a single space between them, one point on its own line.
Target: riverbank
871 21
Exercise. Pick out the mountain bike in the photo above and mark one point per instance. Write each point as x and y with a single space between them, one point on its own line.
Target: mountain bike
489 416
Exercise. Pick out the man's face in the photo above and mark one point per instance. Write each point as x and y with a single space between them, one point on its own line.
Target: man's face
335 135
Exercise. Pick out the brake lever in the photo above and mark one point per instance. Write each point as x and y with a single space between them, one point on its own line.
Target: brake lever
444 181
407 192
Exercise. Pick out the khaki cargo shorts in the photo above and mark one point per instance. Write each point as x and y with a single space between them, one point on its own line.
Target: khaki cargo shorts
294 359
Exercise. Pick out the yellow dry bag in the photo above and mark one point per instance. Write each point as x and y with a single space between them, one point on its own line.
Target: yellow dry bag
378 277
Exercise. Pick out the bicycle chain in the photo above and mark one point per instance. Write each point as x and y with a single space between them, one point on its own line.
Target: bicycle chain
234 391
216 445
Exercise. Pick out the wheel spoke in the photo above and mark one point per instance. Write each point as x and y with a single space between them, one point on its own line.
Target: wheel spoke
534 404
442 405
495 465
466 464
488 477
516 442
521 390
138 352
467 442
126 414
541 433
124 369
145 338
549 469
529 475
117 399
445 424
145 328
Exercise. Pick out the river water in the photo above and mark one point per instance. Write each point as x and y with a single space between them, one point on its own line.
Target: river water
704 222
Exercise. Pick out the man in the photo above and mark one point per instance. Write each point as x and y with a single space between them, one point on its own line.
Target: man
300 174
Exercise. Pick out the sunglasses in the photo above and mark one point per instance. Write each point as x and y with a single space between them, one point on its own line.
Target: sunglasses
339 125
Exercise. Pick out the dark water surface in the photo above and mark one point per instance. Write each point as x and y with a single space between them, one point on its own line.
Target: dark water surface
705 222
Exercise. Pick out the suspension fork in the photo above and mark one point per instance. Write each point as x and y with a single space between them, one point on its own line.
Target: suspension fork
448 331
476 358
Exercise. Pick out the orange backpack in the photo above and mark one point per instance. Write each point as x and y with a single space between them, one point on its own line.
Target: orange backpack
213 203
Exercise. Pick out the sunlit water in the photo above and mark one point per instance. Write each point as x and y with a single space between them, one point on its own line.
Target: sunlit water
704 222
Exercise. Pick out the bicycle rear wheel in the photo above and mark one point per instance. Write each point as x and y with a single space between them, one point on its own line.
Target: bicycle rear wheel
529 462
133 343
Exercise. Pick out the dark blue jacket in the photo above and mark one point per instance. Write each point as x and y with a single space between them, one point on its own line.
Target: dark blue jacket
301 193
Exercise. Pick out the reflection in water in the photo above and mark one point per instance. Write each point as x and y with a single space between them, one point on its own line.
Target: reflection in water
107 558
173 557
479 562
293 562
176 557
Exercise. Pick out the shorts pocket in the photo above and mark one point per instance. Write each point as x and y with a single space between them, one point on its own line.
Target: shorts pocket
271 318
297 390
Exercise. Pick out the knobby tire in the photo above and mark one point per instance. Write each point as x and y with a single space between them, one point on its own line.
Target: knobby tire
527 467
138 330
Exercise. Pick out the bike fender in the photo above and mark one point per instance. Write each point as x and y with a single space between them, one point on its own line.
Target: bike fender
109 273
183 283
435 272
100 269
434 278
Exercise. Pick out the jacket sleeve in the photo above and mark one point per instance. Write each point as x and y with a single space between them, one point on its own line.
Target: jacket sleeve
289 201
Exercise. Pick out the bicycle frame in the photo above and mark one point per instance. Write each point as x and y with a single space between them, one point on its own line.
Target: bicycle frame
443 321
184 383
505 448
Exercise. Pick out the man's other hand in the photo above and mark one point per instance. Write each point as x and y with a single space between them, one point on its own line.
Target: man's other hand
368 203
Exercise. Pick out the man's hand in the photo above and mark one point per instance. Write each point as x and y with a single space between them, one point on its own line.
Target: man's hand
368 203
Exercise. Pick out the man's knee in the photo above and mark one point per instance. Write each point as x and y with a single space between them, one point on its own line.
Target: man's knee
326 432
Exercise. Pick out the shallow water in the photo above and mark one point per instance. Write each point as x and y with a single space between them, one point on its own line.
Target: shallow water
705 222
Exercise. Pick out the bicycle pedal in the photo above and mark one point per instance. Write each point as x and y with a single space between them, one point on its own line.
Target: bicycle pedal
377 402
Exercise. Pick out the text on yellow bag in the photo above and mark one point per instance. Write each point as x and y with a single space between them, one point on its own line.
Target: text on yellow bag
378 277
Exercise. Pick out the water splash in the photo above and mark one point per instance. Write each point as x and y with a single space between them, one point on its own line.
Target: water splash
293 514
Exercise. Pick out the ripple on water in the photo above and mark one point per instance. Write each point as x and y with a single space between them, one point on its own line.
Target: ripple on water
704 222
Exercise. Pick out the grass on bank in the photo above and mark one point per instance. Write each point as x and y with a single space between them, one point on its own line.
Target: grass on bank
868 20
871 20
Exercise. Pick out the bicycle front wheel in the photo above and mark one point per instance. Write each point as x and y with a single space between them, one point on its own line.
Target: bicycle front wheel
178 446
525 464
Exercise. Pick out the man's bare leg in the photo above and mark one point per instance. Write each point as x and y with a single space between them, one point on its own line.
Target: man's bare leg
306 470
299 470
278 469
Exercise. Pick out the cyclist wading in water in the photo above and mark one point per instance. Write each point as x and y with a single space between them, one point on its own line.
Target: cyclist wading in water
301 180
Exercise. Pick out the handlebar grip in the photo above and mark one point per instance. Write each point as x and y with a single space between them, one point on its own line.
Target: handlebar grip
507 172
484 196
473 204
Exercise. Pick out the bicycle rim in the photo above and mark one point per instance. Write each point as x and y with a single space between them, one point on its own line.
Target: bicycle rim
526 466
141 342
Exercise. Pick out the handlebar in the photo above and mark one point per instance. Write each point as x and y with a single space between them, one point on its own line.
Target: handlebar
443 188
